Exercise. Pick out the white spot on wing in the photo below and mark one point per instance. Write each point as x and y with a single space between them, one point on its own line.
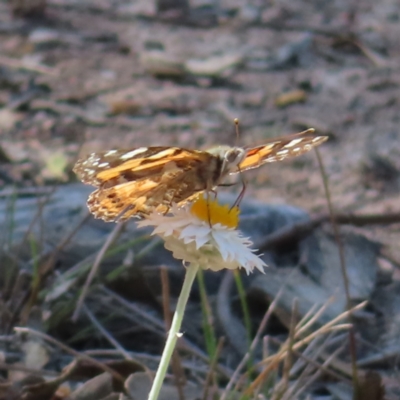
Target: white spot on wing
110 153
282 152
269 146
133 153
161 154
317 139
293 143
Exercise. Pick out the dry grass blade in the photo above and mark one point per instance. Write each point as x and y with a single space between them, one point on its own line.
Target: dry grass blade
241 365
288 361
273 361
212 370
110 239
346 283
305 381
105 333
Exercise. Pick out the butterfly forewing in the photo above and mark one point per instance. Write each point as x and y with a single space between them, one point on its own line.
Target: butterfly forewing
133 164
89 168
281 148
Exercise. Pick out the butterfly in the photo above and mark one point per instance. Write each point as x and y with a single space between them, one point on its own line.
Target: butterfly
137 181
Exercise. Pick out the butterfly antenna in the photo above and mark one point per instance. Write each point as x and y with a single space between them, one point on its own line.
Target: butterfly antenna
236 122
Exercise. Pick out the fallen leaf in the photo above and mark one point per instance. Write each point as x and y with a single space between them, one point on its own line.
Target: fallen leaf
55 166
294 96
8 119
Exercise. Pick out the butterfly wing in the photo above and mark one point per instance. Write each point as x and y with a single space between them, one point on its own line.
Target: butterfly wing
139 198
134 182
280 149
99 168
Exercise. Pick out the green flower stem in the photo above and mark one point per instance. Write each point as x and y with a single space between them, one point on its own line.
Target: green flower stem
173 334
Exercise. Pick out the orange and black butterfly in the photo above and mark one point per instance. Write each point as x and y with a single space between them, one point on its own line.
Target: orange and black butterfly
134 182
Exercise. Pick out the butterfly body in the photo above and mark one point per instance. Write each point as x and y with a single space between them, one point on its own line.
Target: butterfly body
134 182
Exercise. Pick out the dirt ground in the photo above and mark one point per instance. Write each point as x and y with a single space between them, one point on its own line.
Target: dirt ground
96 75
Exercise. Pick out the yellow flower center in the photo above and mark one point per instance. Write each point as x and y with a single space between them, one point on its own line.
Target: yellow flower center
211 211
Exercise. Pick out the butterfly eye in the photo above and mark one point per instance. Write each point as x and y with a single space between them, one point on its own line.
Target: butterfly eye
234 156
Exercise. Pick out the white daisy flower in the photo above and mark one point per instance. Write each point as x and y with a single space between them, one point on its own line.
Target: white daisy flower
204 233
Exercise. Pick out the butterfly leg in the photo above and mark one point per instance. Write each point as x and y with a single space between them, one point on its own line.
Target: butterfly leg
119 217
208 207
223 185
227 184
136 207
209 190
167 209
242 192
215 193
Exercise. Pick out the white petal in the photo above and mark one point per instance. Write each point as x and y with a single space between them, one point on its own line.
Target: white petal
198 234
